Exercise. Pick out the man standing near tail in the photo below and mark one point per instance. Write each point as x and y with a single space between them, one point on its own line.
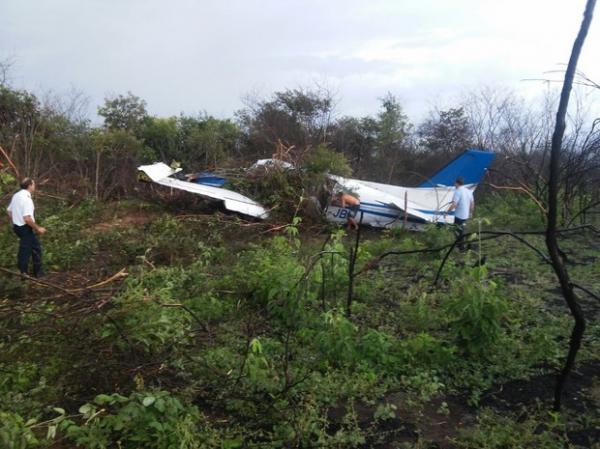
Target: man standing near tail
463 204
20 211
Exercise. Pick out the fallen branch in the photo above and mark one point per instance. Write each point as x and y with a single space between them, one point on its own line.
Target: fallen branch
277 228
214 217
75 292
38 281
120 274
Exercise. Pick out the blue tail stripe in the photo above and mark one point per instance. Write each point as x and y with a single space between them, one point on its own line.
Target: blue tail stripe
396 215
471 165
434 212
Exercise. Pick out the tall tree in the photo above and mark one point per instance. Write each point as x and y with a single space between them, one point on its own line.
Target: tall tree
297 117
447 132
163 136
210 141
126 112
356 138
21 120
116 154
392 135
558 263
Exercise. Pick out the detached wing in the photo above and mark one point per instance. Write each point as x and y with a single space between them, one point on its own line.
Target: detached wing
160 174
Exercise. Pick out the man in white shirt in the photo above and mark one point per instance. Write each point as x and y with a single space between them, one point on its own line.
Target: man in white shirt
463 205
20 210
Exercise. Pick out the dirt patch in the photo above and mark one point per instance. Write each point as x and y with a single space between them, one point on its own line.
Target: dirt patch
432 422
132 219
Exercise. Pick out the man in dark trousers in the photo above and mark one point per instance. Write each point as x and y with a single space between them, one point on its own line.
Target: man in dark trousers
463 205
20 211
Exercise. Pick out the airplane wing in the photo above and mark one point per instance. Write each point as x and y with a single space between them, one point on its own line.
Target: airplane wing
160 174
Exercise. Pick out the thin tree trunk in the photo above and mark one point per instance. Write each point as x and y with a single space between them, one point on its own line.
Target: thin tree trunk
96 184
351 271
553 189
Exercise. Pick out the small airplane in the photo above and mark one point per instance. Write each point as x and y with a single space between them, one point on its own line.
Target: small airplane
381 205
390 206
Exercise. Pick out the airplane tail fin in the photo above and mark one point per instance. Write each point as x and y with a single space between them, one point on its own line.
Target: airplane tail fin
471 165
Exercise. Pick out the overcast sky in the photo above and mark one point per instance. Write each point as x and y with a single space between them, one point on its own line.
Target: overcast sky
205 55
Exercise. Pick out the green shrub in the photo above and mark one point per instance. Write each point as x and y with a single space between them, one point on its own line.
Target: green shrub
15 433
423 351
322 161
23 386
336 341
152 420
277 188
270 276
475 309
146 315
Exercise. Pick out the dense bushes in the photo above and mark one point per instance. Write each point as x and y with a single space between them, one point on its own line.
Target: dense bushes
211 342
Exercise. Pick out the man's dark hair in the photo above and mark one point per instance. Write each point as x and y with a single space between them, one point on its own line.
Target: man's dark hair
26 182
460 181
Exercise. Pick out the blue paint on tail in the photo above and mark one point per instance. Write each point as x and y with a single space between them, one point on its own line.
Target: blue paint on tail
471 165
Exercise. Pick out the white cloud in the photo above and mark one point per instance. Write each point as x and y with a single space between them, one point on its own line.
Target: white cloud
205 55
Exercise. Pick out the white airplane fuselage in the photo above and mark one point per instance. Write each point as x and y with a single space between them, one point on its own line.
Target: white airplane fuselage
389 206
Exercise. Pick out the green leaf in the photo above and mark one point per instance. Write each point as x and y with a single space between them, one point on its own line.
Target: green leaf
156 425
148 401
51 432
30 422
103 399
255 346
86 409
160 405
